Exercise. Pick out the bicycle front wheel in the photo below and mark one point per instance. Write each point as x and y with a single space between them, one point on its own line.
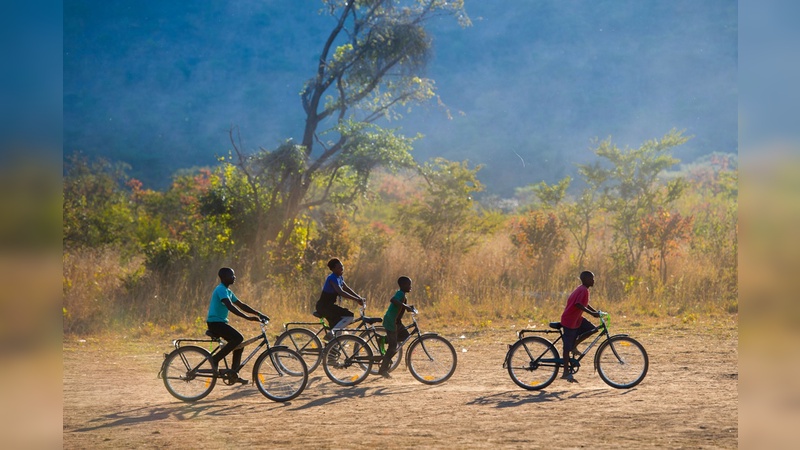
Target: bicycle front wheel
532 363
431 359
347 360
189 374
280 374
372 339
621 362
304 342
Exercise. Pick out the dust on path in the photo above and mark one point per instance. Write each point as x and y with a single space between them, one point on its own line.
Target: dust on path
112 399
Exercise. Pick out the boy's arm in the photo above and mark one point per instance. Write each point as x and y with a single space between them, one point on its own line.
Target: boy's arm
249 309
399 302
236 311
345 291
588 309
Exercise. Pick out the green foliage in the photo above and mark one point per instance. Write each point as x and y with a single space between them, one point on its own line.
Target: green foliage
551 196
632 190
369 68
165 253
96 207
540 238
333 239
663 231
446 219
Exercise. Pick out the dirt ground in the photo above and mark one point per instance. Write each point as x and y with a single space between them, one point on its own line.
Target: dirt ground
112 399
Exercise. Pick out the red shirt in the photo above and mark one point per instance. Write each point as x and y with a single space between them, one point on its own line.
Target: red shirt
571 318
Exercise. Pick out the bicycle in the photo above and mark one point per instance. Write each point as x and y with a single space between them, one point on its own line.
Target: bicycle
189 372
533 362
348 359
308 343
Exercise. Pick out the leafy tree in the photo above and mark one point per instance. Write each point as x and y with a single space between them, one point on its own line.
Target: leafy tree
96 206
632 189
576 217
540 237
369 68
333 239
662 231
445 220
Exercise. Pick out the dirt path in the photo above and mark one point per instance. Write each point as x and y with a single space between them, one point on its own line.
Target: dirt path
112 399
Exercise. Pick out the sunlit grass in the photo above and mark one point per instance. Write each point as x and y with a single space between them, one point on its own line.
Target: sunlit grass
490 286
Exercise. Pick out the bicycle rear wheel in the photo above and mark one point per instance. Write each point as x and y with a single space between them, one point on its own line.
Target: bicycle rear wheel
304 342
347 360
280 374
431 359
189 374
532 363
621 362
372 339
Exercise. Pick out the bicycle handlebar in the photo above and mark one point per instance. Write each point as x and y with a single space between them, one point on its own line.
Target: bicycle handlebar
363 309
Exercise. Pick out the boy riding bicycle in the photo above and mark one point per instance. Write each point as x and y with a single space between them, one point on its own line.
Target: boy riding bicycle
395 331
576 327
223 300
337 317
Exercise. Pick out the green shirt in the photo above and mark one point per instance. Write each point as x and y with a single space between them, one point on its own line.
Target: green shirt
217 311
395 311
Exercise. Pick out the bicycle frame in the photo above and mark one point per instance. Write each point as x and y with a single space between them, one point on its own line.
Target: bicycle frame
325 328
261 337
603 328
414 332
413 329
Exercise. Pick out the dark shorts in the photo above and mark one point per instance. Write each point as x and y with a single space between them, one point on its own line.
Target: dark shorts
332 312
400 332
571 334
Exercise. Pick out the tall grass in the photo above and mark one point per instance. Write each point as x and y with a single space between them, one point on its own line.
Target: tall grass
492 282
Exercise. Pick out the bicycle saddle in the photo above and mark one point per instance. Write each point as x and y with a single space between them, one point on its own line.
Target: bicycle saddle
373 319
555 325
317 315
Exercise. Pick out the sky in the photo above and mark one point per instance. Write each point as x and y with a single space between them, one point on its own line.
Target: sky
160 84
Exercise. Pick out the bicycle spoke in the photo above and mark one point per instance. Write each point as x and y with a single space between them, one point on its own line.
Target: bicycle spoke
431 359
182 373
532 363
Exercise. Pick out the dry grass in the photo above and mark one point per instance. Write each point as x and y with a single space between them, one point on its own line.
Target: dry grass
488 286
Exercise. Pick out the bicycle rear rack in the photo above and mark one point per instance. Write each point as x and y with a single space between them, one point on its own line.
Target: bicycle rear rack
522 333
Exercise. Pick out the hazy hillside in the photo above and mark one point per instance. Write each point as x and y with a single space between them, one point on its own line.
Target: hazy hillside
158 84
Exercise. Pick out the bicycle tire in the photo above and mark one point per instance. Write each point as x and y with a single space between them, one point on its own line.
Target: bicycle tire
621 362
181 376
305 342
347 360
532 363
431 359
367 335
280 374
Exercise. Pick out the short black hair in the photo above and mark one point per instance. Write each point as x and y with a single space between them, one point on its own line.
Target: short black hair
403 280
224 271
586 274
333 262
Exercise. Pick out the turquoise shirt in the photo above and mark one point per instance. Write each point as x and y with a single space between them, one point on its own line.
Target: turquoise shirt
394 310
217 311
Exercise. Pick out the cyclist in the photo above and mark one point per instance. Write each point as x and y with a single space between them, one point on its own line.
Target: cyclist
576 327
223 300
395 331
334 287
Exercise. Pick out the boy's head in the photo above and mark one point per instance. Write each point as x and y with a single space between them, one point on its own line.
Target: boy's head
336 266
226 276
404 283
587 278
